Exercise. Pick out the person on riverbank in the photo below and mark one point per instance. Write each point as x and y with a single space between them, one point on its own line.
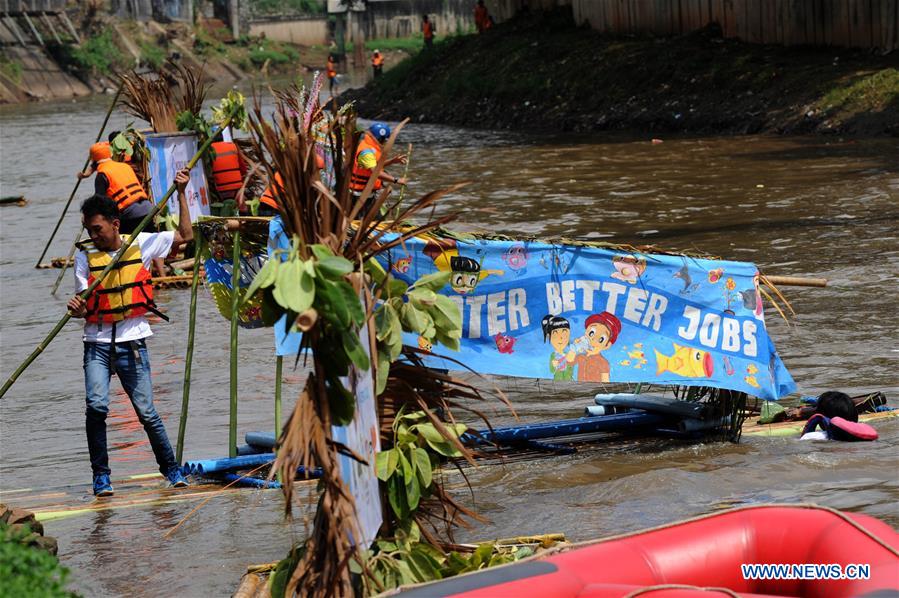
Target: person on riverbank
368 153
331 71
377 63
481 17
116 329
427 31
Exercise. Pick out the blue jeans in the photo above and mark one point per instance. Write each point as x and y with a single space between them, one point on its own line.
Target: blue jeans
131 363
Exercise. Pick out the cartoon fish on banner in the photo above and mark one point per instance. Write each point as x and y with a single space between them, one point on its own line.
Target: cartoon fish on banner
751 381
402 265
715 275
686 361
516 257
504 343
424 344
628 268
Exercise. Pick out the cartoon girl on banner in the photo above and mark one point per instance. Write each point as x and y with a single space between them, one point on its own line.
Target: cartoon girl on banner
557 330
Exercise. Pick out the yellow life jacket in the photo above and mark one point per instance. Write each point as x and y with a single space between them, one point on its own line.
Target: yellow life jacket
126 291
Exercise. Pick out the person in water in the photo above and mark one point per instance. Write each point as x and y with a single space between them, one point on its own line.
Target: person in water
116 329
557 330
837 416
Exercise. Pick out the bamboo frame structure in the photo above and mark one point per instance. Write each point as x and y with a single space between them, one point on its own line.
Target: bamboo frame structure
78 182
189 355
235 302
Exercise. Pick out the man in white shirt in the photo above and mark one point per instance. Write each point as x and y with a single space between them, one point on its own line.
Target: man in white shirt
115 329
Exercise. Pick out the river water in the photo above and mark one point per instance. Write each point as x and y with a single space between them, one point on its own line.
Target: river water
801 206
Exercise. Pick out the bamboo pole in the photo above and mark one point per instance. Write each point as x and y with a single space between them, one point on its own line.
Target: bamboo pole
403 188
115 260
279 368
235 302
78 182
797 281
189 356
65 265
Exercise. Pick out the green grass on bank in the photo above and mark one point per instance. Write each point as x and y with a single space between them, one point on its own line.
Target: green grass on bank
868 93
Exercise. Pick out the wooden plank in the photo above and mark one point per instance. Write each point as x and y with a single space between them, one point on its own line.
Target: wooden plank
861 23
890 32
876 23
717 11
827 14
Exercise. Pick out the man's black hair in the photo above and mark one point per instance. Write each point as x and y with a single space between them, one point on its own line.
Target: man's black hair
551 323
460 263
100 205
837 404
112 136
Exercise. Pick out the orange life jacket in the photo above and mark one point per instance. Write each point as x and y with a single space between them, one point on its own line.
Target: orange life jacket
481 17
124 188
268 196
227 169
377 60
360 175
332 69
126 291
427 29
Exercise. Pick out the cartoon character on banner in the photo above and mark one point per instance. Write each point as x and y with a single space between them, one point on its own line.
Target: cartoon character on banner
600 332
752 298
466 272
516 257
684 275
402 265
504 343
558 260
557 331
628 268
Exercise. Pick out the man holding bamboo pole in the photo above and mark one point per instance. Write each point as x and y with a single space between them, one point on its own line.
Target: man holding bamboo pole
115 329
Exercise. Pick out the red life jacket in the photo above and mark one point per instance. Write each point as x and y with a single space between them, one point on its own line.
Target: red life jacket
126 291
360 175
227 169
124 188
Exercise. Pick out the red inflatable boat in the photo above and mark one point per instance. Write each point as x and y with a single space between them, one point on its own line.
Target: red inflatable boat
704 557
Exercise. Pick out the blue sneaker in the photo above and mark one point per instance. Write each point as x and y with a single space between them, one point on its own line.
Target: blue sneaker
102 485
176 478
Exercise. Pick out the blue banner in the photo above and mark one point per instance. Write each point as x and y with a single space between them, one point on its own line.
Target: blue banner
592 314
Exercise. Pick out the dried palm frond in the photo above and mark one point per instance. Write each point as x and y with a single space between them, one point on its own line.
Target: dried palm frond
158 98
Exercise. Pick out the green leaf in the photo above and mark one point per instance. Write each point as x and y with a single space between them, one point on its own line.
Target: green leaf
374 269
294 288
334 267
425 568
396 495
396 288
434 281
481 555
406 575
423 466
423 298
383 372
321 251
386 462
352 301
331 303
445 448
341 402
446 314
355 350
413 319
449 342
386 546
264 278
413 491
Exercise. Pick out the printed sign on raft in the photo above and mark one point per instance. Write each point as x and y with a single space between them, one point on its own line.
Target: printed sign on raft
592 314
169 153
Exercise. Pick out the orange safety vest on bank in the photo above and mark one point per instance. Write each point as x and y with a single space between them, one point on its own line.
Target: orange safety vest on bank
124 188
126 291
427 29
360 175
268 196
332 69
377 60
481 17
227 169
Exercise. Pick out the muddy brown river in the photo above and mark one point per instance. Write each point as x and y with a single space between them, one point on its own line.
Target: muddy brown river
825 207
